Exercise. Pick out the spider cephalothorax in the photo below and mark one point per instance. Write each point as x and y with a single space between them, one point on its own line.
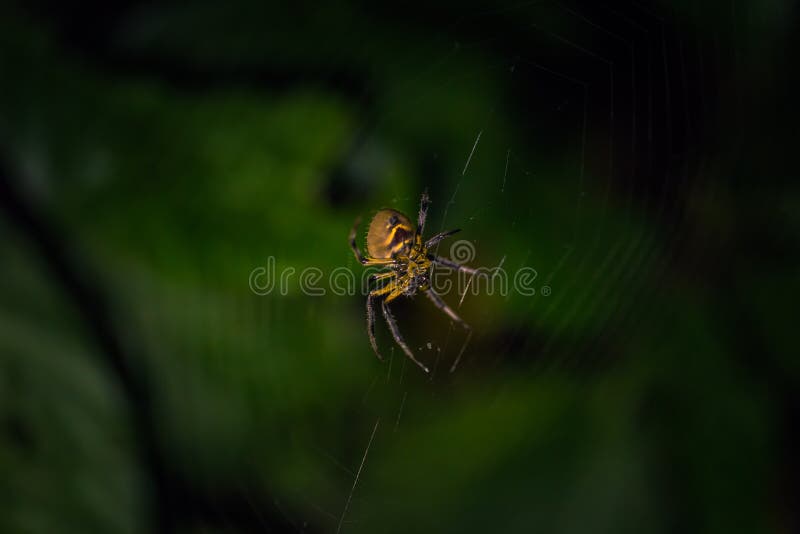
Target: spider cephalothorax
393 243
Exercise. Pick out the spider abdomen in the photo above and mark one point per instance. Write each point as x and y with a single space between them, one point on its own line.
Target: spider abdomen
390 233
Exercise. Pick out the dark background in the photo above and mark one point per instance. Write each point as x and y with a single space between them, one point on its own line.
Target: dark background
638 155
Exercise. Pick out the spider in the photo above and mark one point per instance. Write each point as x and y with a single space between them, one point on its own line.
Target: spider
393 244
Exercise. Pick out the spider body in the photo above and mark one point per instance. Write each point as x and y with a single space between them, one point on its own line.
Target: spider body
393 243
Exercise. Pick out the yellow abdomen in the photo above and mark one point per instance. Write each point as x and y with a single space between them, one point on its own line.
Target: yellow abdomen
390 233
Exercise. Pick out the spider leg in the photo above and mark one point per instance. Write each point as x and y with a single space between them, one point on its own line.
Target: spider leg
397 337
357 253
381 276
424 202
388 288
438 237
439 303
455 266
442 305
391 287
371 327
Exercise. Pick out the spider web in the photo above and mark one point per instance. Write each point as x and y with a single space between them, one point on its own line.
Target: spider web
642 104
622 78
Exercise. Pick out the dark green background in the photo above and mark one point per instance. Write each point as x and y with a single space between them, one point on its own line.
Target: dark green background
638 156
